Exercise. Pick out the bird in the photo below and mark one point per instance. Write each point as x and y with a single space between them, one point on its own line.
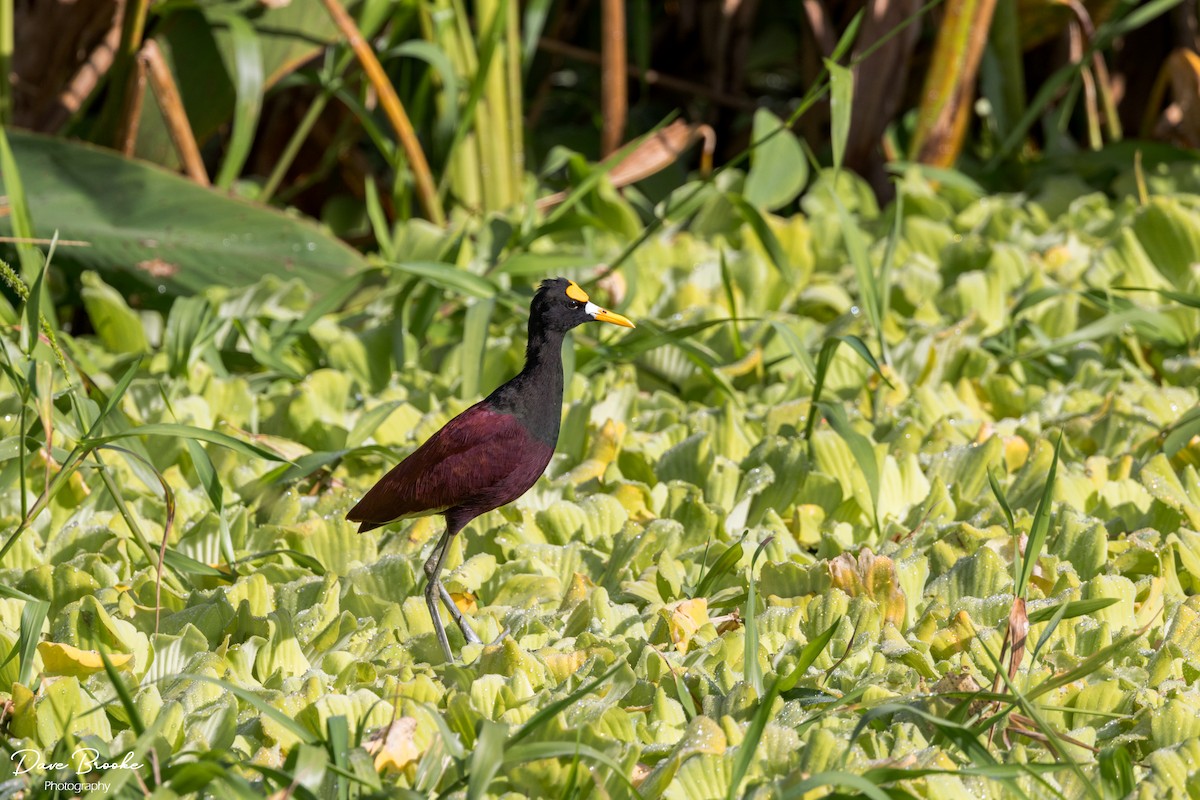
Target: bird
492 453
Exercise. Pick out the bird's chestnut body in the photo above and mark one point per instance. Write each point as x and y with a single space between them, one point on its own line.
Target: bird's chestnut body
481 460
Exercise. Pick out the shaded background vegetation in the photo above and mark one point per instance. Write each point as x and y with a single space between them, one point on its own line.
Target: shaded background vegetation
275 106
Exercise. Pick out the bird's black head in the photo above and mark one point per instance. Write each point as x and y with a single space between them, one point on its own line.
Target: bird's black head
560 305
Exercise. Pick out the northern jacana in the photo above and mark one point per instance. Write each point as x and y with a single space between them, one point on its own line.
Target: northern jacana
492 453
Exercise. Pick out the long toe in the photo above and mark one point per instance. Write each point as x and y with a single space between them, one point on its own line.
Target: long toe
471 636
500 639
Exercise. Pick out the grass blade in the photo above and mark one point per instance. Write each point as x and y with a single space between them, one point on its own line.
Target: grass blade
486 758
762 230
998 491
552 710
1041 526
824 360
846 779
1070 609
1181 432
295 728
841 100
856 248
1116 772
721 567
753 670
180 431
448 276
33 616
135 719
249 84
539 750
796 347
22 223
861 448
1084 668
31 324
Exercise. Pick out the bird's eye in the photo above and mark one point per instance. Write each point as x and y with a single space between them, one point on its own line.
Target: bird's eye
576 304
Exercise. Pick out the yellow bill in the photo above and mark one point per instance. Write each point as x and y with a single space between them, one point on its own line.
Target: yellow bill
604 315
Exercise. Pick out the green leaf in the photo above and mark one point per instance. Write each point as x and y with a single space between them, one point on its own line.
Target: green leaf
447 119
148 227
474 346
778 169
191 325
369 422
746 751
119 328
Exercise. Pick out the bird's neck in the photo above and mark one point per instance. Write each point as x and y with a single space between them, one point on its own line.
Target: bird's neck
543 357
535 395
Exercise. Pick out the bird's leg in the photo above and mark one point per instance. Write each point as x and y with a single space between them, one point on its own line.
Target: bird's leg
456 613
433 568
434 588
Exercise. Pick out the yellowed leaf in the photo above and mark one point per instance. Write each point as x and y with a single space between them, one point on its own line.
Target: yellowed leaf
577 591
684 619
563 665
63 659
24 718
465 601
871 576
633 498
605 446
1016 452
394 747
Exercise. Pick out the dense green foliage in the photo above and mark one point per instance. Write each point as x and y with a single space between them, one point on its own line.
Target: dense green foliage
717 588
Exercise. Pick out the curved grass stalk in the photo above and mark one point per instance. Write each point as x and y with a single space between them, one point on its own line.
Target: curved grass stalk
394 109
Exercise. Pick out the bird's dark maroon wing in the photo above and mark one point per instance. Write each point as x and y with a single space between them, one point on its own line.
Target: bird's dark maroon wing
480 460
